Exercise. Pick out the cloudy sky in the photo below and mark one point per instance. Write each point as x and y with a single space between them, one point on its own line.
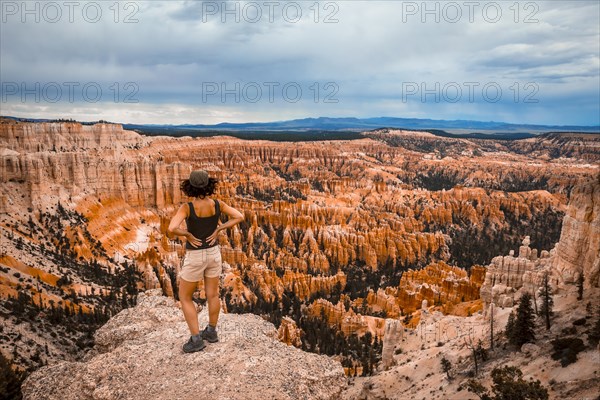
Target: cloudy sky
240 61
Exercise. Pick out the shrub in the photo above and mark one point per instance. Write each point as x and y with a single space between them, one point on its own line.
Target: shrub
10 380
446 366
566 350
569 331
509 385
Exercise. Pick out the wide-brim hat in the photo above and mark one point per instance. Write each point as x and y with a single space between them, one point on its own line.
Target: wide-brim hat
199 178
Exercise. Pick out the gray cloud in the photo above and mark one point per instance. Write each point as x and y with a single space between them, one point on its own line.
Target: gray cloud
372 52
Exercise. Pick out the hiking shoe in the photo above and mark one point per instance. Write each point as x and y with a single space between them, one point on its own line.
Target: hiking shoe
210 336
194 345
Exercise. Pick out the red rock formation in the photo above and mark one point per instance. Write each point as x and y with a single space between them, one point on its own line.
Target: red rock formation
439 284
347 320
304 285
240 293
289 333
265 281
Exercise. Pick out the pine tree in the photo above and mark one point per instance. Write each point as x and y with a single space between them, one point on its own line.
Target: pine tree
547 302
492 326
594 333
510 327
446 366
364 361
580 281
524 323
481 352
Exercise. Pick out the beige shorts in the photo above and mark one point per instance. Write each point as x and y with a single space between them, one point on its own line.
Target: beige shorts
201 263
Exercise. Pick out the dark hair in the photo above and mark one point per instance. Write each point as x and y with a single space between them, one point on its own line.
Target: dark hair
192 191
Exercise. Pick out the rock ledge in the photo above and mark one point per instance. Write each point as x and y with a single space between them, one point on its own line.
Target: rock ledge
138 356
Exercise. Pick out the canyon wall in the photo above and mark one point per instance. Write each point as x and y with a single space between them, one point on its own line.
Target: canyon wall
576 254
84 209
68 161
578 250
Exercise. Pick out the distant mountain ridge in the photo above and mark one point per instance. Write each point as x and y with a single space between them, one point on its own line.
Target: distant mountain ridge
361 124
463 127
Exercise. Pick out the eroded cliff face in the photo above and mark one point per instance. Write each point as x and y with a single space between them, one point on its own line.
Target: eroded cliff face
578 250
576 253
69 161
66 136
570 144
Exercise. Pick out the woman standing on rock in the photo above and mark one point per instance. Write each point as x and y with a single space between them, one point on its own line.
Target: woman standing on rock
203 253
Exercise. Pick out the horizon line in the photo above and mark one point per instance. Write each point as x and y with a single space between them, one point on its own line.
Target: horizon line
28 119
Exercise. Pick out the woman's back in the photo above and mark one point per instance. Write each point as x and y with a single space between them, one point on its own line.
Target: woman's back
202 220
204 207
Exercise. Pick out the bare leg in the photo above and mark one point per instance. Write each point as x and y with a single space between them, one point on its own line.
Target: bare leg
186 290
211 287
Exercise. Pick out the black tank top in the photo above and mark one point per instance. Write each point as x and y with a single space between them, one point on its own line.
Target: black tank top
202 227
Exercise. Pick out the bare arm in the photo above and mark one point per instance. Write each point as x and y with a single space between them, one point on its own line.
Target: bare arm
235 217
175 230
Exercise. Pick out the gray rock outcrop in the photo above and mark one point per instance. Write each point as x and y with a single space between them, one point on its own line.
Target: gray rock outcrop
392 336
138 356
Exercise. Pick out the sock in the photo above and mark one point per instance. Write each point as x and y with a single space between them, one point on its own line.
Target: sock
211 328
